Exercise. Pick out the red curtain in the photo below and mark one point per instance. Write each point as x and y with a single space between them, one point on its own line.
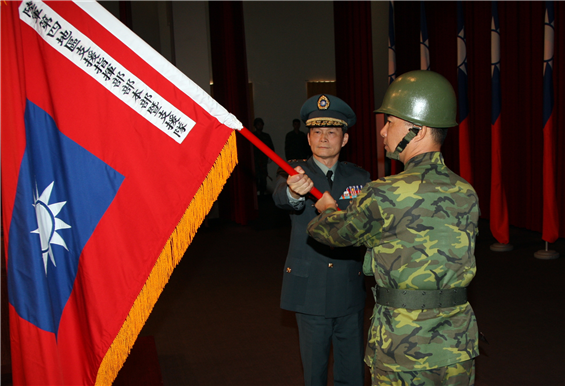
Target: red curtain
521 29
238 200
354 80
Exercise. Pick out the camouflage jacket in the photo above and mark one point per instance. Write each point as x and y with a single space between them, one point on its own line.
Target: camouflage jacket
419 227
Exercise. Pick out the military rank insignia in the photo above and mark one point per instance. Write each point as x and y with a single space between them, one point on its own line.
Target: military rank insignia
351 192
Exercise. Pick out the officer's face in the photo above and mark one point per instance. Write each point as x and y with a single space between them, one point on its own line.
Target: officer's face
393 131
326 142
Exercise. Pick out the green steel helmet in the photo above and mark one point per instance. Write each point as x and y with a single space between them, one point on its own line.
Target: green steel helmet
424 98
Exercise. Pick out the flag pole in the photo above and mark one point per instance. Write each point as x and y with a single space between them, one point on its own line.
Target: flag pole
275 157
498 206
550 222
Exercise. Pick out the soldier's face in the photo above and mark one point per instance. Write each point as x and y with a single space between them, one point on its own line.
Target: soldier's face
394 131
326 142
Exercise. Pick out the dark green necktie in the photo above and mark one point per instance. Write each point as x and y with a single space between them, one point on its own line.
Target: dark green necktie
329 177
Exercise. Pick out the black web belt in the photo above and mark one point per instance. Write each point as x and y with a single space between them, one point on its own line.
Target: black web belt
420 299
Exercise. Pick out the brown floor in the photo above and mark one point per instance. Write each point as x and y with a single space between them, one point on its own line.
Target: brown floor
218 321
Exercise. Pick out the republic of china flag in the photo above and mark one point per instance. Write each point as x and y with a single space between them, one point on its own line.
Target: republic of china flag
111 158
499 223
465 166
550 228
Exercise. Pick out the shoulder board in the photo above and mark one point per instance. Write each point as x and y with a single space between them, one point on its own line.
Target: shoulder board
296 160
281 172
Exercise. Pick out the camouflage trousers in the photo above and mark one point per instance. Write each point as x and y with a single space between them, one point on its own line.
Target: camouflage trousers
458 374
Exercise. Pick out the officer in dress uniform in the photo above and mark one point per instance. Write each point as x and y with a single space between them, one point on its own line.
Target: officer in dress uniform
324 286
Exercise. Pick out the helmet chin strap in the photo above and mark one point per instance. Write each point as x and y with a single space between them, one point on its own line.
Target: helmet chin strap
402 145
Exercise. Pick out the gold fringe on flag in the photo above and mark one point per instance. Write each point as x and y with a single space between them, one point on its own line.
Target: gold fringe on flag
169 258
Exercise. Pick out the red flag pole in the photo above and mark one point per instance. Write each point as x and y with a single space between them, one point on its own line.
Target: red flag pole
275 157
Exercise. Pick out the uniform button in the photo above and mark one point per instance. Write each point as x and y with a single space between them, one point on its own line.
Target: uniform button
331 265
358 273
288 269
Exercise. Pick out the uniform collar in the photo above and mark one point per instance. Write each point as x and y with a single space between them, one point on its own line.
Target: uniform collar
323 167
433 157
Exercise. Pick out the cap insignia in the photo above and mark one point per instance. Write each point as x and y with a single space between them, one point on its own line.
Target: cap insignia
323 102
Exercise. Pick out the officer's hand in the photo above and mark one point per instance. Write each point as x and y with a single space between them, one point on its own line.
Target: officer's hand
300 183
327 201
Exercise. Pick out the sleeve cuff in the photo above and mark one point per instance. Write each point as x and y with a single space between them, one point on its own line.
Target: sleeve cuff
296 203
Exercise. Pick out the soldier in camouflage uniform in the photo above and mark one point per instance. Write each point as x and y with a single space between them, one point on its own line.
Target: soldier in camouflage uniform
419 228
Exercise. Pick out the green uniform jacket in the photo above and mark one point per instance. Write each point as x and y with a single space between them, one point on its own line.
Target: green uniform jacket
419 227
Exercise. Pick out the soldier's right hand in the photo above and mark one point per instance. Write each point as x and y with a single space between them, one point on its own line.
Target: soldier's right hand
299 184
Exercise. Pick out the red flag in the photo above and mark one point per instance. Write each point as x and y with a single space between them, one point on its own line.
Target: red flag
111 158
465 169
499 224
550 230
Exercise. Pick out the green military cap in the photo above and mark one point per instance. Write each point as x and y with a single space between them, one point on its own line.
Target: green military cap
325 110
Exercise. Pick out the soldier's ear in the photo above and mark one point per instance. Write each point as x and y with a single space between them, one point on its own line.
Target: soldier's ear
421 132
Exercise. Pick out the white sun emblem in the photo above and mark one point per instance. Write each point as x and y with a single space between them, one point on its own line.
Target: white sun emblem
48 224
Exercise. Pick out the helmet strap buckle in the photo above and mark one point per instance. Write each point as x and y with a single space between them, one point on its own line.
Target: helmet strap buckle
402 145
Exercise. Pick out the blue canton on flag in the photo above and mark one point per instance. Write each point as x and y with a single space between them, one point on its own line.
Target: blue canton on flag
424 42
495 64
548 62
462 64
391 44
63 191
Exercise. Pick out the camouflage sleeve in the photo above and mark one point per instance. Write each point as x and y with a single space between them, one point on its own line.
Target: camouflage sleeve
360 224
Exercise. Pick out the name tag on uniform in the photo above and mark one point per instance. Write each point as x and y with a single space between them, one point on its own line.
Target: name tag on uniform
351 192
